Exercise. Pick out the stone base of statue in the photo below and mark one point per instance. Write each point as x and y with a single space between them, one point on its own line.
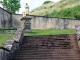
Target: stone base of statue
27 31
27 28
26 24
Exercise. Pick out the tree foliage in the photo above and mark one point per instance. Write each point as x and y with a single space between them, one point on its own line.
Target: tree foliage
11 5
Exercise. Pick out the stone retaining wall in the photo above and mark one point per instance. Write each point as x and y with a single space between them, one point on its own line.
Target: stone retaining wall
8 30
43 22
5 18
38 22
11 46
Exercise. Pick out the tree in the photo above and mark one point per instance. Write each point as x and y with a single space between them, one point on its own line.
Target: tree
11 5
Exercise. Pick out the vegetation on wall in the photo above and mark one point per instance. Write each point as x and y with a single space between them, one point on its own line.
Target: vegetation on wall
63 8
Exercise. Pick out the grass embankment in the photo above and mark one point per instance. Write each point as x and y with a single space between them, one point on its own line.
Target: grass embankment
63 8
4 36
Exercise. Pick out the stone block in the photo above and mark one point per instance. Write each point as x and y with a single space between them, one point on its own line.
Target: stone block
19 34
78 31
10 31
8 44
4 55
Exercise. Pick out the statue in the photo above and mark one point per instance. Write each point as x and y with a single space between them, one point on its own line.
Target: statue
25 20
23 14
26 9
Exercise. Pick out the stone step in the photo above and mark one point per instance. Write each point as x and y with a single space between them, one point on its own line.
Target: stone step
53 47
56 39
34 54
42 50
43 53
44 57
55 58
46 52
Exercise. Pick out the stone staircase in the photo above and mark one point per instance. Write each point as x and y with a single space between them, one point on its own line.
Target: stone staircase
48 47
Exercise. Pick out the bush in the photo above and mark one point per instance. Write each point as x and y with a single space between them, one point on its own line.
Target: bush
44 7
76 15
51 6
47 2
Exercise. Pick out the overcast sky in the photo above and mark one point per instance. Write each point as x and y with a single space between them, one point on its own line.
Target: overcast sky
32 4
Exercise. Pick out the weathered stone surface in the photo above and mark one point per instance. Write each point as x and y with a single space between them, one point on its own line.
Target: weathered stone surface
4 55
7 31
5 17
26 24
26 18
18 34
10 31
42 22
8 44
18 38
78 31
11 46
49 47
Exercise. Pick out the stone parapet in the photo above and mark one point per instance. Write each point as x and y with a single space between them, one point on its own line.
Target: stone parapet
11 46
78 31
78 34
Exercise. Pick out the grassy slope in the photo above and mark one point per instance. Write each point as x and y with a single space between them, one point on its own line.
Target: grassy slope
50 7
73 12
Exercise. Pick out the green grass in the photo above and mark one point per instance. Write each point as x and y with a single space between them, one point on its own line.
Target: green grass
4 37
73 12
10 28
51 32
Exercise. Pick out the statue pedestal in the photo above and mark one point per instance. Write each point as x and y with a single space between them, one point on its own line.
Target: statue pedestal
28 28
26 24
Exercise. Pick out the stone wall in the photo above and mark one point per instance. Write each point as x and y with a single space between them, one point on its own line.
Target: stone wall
8 30
4 54
38 22
5 18
11 46
42 22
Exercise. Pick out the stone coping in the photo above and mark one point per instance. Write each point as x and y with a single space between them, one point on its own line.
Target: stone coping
6 10
26 18
4 49
49 17
9 29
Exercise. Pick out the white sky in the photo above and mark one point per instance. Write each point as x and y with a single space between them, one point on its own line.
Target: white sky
32 4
